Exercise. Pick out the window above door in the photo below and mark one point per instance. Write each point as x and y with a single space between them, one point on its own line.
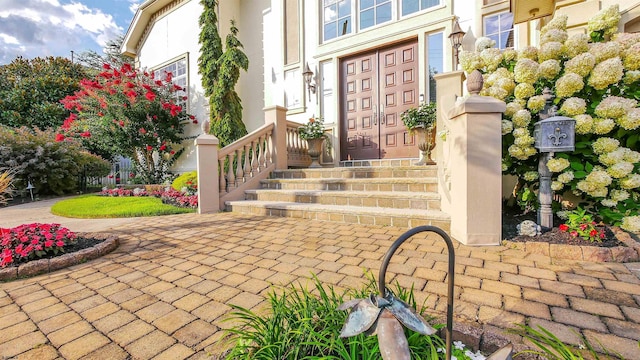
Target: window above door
338 16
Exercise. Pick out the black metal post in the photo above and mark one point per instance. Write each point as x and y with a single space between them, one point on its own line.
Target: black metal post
452 258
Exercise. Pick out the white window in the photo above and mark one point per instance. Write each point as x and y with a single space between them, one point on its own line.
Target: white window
499 27
412 6
178 70
435 62
336 18
374 12
292 89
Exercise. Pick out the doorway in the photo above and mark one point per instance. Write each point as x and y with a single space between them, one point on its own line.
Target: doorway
377 87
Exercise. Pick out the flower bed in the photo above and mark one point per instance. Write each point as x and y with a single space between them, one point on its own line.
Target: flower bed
168 195
31 241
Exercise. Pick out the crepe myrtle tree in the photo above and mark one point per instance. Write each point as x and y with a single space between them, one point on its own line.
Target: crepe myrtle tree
132 113
595 80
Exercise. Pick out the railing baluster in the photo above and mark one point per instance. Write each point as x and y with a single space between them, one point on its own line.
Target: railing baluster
223 183
254 158
261 154
231 177
239 175
247 164
269 147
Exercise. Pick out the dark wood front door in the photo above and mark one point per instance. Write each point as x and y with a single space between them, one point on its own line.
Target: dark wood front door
377 87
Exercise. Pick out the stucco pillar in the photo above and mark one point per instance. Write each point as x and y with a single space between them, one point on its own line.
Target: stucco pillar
278 116
448 89
207 166
476 172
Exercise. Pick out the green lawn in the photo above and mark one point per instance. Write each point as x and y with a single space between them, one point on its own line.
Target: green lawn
94 206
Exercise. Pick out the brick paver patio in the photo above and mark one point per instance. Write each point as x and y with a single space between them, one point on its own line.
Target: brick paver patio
163 293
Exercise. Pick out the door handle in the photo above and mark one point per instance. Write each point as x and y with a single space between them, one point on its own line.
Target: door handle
381 114
375 115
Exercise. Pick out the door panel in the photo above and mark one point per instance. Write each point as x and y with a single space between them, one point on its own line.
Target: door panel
378 87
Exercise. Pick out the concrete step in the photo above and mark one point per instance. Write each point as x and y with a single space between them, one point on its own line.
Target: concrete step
379 163
357 172
421 184
405 218
379 199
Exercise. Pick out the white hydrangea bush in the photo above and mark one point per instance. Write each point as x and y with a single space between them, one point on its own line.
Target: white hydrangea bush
595 79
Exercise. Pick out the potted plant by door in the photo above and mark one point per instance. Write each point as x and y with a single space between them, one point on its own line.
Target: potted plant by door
313 132
422 121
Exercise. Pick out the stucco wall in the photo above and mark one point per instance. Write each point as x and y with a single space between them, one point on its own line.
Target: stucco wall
171 37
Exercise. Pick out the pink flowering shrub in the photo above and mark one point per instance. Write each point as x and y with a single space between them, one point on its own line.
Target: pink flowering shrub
30 241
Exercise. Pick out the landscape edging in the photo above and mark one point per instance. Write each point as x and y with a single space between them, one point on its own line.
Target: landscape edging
620 254
42 266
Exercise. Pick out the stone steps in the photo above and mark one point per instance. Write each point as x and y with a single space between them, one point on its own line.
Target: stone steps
388 195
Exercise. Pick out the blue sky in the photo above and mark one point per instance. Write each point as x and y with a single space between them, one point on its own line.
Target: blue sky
39 28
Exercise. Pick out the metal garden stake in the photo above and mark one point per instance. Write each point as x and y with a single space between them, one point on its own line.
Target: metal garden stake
384 315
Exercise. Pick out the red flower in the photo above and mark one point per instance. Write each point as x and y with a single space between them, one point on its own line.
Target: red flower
175 109
172 152
86 134
602 236
195 121
100 114
150 96
59 243
169 76
563 227
583 227
163 147
593 233
59 137
125 67
166 106
142 131
177 87
158 82
110 176
121 123
132 175
106 66
149 147
574 233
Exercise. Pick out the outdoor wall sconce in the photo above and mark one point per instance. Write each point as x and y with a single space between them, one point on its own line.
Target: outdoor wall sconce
384 315
456 39
308 76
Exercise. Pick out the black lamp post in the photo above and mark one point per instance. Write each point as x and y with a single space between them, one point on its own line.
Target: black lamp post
456 39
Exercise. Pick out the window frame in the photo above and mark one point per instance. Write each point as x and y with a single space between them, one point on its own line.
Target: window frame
350 17
161 67
499 32
420 9
375 7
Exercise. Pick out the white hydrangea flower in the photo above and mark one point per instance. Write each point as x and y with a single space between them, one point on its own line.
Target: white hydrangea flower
491 58
573 106
631 120
606 73
605 50
550 50
568 84
600 192
606 20
530 176
554 35
517 152
584 124
526 71
612 157
631 77
556 185
631 57
626 40
528 52
470 61
507 127
619 195
557 164
581 64
631 223
603 126
512 108
530 151
609 202
524 141
599 178
483 43
524 91
498 93
507 84
536 103
620 170
576 44
504 167
631 156
509 54
630 182
563 214
521 118
605 145
585 186
566 177
559 22
549 69
615 107
518 132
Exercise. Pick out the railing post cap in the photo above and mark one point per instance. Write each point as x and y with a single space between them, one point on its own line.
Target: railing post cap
207 139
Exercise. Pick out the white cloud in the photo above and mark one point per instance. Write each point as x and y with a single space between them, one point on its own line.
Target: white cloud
133 6
32 28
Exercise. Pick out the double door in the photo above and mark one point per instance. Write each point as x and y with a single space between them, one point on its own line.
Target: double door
377 87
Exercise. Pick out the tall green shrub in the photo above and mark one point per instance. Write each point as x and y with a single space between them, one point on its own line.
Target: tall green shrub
595 81
31 90
52 167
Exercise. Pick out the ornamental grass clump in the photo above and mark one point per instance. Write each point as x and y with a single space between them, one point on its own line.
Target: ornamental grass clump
32 241
6 186
304 323
595 80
